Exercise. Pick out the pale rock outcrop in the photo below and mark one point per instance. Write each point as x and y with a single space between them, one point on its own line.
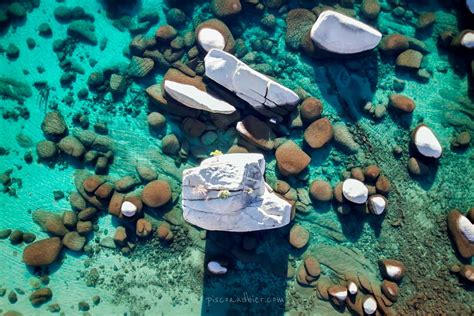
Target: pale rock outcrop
128 209
197 99
263 94
228 193
355 191
338 33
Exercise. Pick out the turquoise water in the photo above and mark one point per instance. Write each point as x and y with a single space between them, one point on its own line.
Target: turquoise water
170 278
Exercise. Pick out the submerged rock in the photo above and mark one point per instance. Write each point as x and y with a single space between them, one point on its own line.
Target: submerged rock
74 241
319 133
299 236
291 159
83 31
341 34
256 132
263 94
197 99
215 267
156 193
224 8
50 222
410 59
321 190
402 103
42 252
41 296
228 193
54 125
298 24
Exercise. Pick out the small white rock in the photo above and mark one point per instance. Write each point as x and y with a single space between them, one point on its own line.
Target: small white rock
466 228
370 305
352 288
468 40
355 191
216 268
128 209
393 272
427 143
210 38
341 295
338 33
377 204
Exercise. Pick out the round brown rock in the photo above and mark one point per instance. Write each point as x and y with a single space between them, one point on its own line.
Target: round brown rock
394 43
416 167
390 290
311 109
42 252
402 103
319 133
156 193
156 121
371 172
321 190
383 185
164 232
74 241
291 159
223 8
370 8
299 236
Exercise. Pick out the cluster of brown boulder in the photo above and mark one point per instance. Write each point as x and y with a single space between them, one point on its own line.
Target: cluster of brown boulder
95 195
360 294
82 145
371 199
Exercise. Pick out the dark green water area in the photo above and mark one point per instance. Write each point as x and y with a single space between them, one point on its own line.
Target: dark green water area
86 126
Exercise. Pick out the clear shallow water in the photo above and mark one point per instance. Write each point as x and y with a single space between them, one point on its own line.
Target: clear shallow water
169 280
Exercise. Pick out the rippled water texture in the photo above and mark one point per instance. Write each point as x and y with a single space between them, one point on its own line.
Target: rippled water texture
85 75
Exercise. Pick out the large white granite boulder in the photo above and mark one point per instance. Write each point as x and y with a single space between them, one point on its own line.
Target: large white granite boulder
197 99
263 94
228 193
338 33
426 142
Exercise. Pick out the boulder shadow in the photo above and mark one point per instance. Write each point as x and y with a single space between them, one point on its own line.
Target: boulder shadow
255 282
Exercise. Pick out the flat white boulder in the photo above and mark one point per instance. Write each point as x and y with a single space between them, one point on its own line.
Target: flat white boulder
466 228
355 191
228 193
210 38
338 33
426 142
197 99
265 95
468 40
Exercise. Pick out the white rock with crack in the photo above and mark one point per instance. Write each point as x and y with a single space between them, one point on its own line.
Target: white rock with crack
228 193
262 93
197 99
338 33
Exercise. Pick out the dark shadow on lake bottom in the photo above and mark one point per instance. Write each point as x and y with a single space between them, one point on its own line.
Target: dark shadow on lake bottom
255 283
